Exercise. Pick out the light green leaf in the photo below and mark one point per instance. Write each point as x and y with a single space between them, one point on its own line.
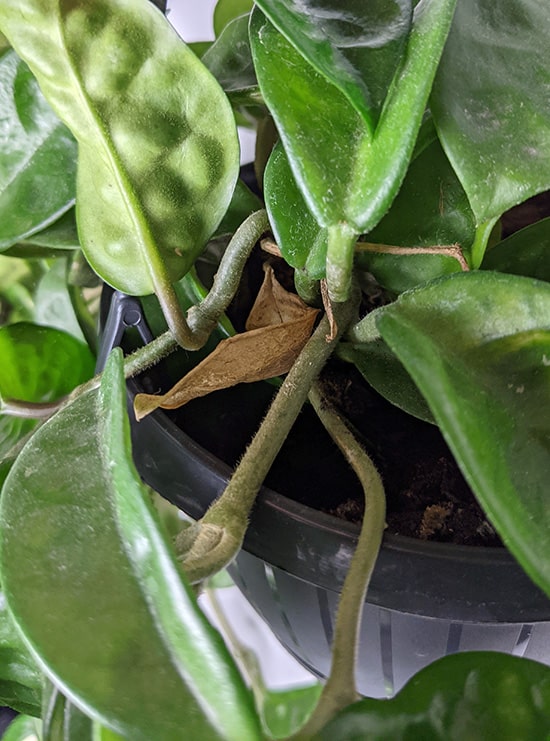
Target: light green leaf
49 242
482 695
285 711
52 302
97 592
478 347
37 156
490 102
158 148
227 10
23 728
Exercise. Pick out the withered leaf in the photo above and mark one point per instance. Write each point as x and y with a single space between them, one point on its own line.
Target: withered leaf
278 327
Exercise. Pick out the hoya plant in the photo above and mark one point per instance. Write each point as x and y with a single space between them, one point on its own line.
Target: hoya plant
392 136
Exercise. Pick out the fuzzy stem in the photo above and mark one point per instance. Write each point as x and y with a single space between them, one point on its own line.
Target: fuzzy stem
340 689
216 539
204 317
340 250
201 319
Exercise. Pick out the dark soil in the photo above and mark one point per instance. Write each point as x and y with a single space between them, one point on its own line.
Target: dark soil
427 496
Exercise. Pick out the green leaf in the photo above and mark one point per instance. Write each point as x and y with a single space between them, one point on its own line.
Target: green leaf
49 242
285 711
37 156
296 231
478 347
53 306
227 10
385 373
524 253
23 728
39 364
61 720
490 102
229 58
482 695
20 678
97 592
357 46
348 177
158 148
243 203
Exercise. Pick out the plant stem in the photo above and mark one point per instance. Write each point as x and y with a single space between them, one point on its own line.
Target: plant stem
340 689
215 540
204 317
341 247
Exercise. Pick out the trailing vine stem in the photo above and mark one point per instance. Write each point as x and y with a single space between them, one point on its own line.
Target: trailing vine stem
213 542
201 319
340 688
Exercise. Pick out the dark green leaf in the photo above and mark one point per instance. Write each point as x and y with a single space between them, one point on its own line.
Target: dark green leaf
243 203
478 347
158 148
526 252
482 695
226 10
39 364
230 59
490 102
97 592
358 46
348 177
37 156
20 678
294 227
385 373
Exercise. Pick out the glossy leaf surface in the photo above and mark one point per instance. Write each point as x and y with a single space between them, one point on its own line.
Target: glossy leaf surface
20 678
527 252
295 229
341 171
37 156
94 587
357 46
467 696
158 149
490 102
243 203
39 364
478 347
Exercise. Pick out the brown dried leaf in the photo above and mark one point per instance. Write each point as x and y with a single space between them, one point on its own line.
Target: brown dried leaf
277 330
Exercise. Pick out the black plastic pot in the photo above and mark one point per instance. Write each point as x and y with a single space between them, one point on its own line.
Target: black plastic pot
425 600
